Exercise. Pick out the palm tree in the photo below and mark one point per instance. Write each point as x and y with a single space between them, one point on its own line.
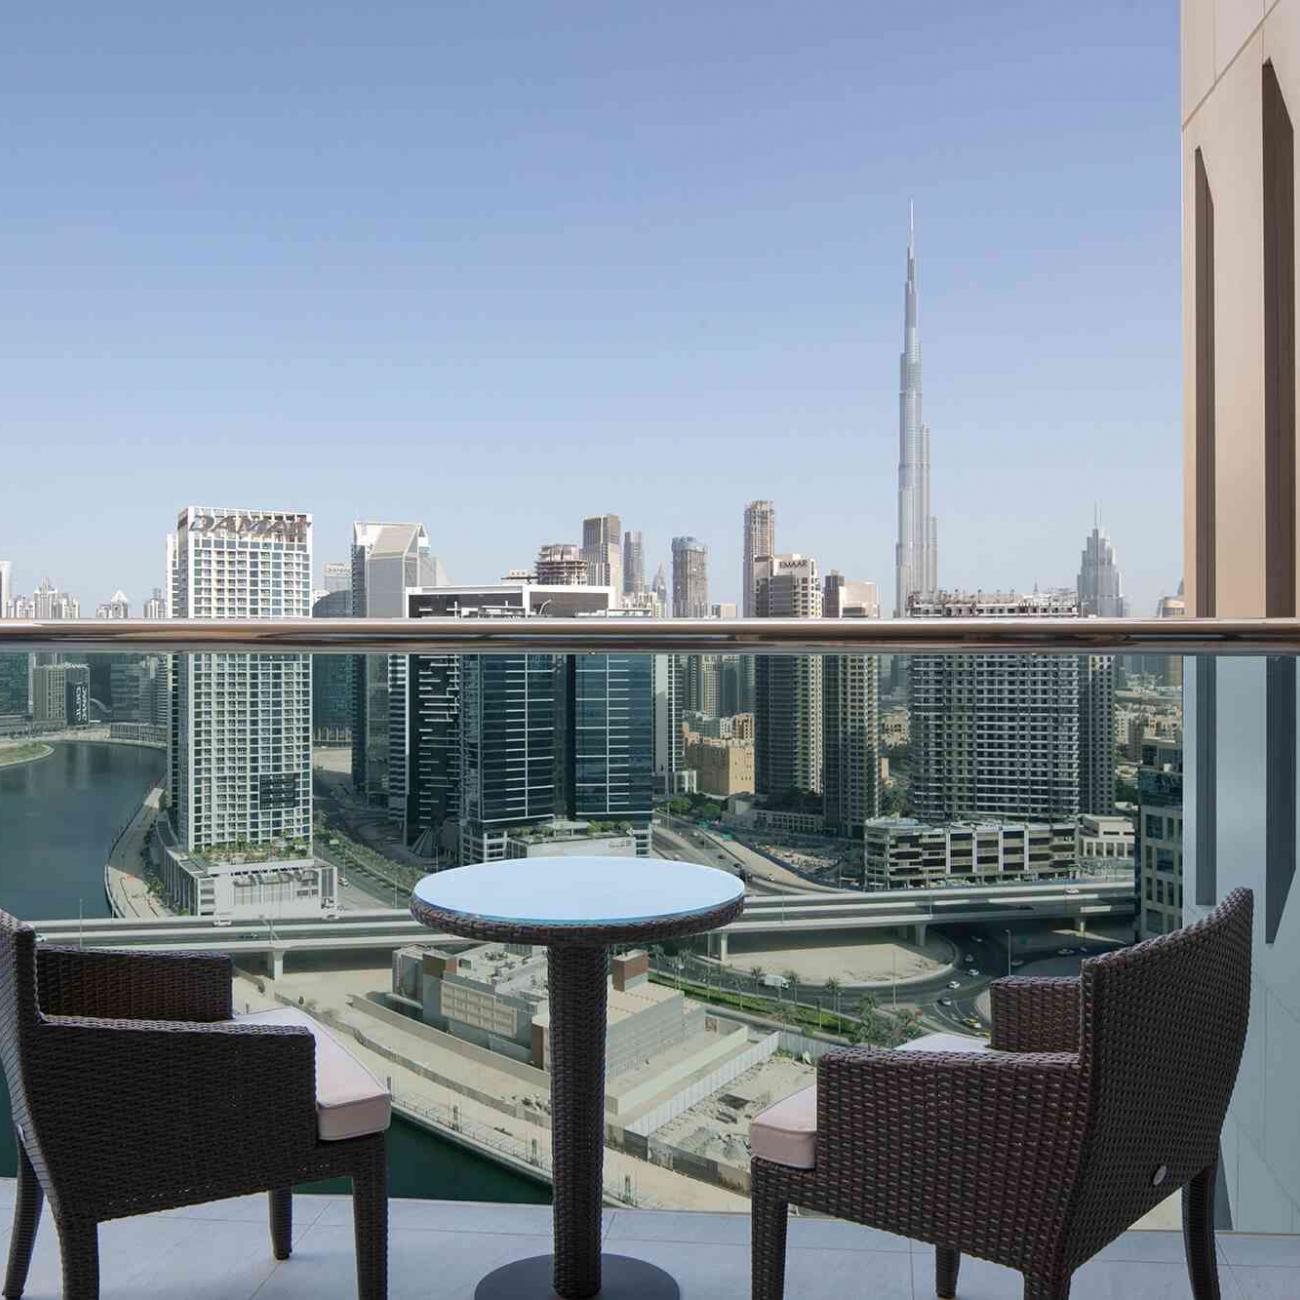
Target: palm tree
833 989
757 974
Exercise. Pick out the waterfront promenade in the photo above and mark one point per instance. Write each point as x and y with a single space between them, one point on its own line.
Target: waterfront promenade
128 895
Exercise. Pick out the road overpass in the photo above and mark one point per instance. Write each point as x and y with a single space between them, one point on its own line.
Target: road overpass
845 912
1075 901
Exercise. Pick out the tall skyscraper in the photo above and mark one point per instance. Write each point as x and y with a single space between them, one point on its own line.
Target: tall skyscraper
850 717
61 694
788 688
609 741
660 587
633 563
337 576
602 549
501 749
917 556
690 578
15 685
15 670
241 750
759 540
331 675
115 607
387 558
1020 737
1100 588
46 602
155 608
669 704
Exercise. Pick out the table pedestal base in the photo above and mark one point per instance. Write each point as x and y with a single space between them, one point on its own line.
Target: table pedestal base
622 1278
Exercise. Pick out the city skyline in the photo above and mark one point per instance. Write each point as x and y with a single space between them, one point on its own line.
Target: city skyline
569 304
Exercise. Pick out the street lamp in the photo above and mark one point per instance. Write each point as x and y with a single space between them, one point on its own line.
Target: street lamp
1008 934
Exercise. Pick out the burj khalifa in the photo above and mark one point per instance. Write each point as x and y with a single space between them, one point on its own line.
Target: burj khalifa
916 559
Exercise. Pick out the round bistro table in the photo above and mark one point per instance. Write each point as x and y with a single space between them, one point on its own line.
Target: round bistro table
579 908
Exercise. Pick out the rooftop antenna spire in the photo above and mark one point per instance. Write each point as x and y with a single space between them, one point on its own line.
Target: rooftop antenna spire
911 225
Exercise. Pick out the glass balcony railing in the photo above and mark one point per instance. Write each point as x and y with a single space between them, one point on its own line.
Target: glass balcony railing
915 808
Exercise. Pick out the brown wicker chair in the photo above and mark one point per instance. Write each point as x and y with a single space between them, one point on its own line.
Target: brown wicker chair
1101 1096
134 1089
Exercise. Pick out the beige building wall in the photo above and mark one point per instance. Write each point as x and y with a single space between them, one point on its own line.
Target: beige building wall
1239 789
1225 44
723 767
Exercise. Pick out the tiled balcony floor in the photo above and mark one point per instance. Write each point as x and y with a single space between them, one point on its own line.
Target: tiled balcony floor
439 1249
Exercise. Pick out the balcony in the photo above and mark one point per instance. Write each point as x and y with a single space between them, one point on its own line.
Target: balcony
470 1147
442 1248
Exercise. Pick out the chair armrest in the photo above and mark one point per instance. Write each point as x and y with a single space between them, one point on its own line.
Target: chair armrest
974 1150
131 1109
1036 1014
134 985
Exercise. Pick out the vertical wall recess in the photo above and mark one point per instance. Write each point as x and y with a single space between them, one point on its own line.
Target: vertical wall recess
1279 351
1207 749
1204 453
1280 800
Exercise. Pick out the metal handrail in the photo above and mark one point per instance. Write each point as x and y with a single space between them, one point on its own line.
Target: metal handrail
633 635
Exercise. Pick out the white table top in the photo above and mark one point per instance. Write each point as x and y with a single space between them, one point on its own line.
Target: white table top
579 891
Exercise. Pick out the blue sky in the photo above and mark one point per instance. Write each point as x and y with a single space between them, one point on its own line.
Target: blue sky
497 266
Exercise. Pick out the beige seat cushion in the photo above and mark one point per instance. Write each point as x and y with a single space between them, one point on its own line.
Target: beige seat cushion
350 1101
786 1132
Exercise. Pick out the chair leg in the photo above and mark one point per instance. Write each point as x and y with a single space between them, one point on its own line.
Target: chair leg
370 1222
1198 1234
1038 1289
27 1216
946 1263
769 1219
281 1208
79 1245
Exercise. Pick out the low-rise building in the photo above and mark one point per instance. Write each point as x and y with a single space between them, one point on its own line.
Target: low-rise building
902 852
1104 844
562 838
656 1039
247 882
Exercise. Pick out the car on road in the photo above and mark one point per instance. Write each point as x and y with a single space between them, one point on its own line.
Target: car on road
945 1002
1065 952
954 984
1017 962
973 972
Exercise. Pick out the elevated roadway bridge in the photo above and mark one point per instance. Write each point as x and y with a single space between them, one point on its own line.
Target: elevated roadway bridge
792 914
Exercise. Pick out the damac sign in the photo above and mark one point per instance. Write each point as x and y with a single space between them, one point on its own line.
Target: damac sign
277 528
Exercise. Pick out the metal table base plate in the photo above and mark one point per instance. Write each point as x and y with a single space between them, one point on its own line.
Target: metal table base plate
622 1278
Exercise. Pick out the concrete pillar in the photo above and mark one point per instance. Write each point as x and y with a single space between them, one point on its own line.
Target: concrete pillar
277 962
919 933
722 945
